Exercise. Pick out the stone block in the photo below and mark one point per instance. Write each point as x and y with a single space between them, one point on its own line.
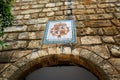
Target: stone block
3 79
76 51
9 71
28 11
101 16
42 14
110 31
116 22
50 5
100 10
17 0
25 7
43 1
23 35
98 23
78 11
108 1
118 4
27 16
34 15
78 6
114 77
42 53
34 44
55 9
32 56
107 67
117 39
39 34
115 50
19 54
3 66
110 10
27 0
3 38
6 56
95 16
34 27
106 5
93 6
87 31
12 36
59 13
108 39
50 14
19 17
63 7
52 50
58 3
85 53
20 63
90 40
68 3
117 9
16 29
16 8
116 63
32 35
96 59
67 50
59 18
21 44
117 15
15 45
78 41
47 10
37 21
101 51
37 6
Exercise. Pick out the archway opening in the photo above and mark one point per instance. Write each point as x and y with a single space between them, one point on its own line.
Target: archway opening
61 72
59 61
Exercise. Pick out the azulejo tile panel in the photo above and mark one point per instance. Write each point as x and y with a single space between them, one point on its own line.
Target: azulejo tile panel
60 32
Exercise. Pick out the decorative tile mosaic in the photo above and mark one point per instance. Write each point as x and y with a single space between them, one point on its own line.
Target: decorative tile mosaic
59 32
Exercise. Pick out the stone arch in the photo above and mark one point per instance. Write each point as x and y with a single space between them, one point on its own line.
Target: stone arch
54 56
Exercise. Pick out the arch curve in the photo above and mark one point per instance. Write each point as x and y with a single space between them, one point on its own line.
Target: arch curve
55 56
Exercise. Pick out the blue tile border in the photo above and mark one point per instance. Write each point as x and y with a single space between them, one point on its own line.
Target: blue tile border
65 41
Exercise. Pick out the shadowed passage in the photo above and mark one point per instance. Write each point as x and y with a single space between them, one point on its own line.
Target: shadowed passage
62 73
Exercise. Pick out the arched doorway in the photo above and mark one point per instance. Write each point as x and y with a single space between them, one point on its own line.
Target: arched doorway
61 73
45 58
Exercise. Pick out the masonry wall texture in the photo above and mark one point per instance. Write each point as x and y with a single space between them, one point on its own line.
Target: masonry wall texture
98 38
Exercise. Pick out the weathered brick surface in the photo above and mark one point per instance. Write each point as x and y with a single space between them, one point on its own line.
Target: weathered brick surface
97 27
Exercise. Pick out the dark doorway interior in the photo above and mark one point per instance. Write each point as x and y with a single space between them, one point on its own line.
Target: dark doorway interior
61 73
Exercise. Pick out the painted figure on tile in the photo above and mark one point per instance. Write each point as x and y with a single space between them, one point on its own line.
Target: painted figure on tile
59 29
